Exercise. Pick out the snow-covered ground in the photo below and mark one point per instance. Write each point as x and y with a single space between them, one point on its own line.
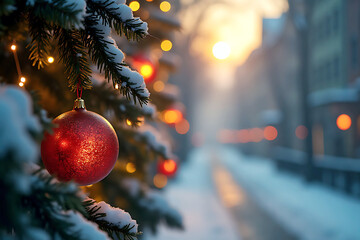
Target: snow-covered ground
193 194
312 212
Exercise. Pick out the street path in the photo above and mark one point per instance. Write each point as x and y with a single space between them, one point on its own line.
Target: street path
252 221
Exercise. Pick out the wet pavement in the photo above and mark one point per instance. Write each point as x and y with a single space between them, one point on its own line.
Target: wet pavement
251 221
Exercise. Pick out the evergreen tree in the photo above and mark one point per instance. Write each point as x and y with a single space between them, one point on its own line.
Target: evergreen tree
80 35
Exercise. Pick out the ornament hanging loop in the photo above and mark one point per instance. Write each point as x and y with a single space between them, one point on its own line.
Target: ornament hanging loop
79 104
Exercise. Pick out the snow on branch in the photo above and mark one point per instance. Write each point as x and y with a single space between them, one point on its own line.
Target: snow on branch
108 57
116 222
65 13
120 17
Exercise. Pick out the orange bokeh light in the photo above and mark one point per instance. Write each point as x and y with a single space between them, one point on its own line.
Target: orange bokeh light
256 134
160 180
270 133
301 132
182 127
172 116
243 136
170 166
227 136
343 122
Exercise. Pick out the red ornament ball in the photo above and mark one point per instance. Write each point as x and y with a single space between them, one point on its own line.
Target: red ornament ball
83 147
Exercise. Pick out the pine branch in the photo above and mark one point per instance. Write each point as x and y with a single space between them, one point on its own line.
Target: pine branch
60 12
113 230
73 54
109 11
40 40
108 58
106 99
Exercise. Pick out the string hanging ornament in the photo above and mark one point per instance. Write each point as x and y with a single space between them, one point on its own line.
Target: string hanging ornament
83 146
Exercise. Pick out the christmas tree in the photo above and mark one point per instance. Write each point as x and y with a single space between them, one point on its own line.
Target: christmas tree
73 46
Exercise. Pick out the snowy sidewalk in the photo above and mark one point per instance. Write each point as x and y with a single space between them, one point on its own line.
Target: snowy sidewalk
312 212
193 194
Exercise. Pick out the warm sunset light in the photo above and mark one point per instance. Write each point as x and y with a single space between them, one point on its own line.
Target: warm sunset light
166 45
343 122
221 50
270 133
182 127
172 116
165 6
134 5
301 132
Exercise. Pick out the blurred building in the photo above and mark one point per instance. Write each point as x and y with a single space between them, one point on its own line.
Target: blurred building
268 86
334 74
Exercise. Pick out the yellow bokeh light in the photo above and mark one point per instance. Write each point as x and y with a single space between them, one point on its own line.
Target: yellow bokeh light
146 70
13 47
23 79
158 86
50 59
130 167
221 50
128 122
134 5
116 86
160 180
21 84
166 45
165 6
172 116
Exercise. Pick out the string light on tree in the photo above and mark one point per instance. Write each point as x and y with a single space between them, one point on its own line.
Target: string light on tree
51 59
13 47
165 6
167 167
134 5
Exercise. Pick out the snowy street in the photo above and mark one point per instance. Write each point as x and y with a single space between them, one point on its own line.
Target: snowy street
236 195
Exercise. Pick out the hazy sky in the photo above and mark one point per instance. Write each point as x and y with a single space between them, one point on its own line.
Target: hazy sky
237 22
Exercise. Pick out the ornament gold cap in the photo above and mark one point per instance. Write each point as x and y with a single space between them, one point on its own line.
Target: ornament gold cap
79 104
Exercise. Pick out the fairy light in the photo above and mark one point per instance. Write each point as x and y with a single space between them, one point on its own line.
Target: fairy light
166 45
23 79
165 6
50 59
134 5
116 86
21 84
13 47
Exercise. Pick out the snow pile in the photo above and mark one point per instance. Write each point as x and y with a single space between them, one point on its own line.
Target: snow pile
84 228
153 140
117 216
311 211
203 214
15 124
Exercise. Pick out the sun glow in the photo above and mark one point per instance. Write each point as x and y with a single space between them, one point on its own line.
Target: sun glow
221 50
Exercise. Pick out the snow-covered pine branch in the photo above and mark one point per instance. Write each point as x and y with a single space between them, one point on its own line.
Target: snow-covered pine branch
109 58
115 221
119 16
